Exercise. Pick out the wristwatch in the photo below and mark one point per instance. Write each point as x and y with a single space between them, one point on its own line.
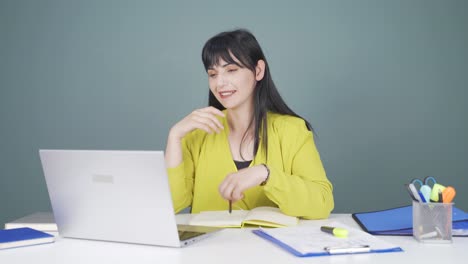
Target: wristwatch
268 174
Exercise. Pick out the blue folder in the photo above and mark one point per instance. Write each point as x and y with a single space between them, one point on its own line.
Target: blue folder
399 221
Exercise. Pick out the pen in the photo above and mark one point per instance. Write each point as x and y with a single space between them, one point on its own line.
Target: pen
347 250
336 231
230 206
421 196
415 192
441 200
429 235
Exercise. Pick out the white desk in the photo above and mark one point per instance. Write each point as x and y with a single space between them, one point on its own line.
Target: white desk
234 246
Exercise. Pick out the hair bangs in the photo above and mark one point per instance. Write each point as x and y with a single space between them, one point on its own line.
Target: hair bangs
220 48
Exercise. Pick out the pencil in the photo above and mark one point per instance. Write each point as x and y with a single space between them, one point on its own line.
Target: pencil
230 206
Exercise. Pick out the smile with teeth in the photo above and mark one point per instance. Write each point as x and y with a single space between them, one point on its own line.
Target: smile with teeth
225 94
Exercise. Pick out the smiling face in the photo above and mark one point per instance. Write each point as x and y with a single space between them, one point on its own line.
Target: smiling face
233 85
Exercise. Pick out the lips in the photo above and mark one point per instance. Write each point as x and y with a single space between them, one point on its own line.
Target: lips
226 94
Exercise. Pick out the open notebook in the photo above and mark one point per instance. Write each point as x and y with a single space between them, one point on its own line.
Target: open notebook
261 216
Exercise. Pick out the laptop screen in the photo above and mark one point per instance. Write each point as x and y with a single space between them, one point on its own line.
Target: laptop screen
121 196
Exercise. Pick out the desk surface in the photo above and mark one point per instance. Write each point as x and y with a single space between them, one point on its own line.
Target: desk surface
228 246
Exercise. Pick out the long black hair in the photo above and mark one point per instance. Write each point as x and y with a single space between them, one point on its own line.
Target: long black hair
244 46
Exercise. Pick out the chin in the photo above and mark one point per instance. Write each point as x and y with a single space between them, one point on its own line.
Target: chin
226 105
229 106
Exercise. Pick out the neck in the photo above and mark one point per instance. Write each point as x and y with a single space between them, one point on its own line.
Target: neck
239 119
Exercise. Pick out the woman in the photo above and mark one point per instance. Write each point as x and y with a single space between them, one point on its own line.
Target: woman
248 147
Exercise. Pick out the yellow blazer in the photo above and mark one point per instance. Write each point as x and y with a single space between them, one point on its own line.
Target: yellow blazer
297 185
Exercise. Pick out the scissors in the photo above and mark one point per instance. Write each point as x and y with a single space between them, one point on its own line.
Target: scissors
425 190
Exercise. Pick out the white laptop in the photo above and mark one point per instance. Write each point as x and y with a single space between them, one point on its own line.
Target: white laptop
120 196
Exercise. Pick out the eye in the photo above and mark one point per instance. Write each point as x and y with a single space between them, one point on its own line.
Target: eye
232 70
211 75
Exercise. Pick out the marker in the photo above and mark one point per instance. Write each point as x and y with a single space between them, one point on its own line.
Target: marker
448 194
336 231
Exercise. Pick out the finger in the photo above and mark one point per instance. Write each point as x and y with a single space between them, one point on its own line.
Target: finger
222 187
210 116
225 188
206 122
204 127
213 110
236 195
226 192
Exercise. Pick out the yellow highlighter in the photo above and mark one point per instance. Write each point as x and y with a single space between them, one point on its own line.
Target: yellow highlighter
336 231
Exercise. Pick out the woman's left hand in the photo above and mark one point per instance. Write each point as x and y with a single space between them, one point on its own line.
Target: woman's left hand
234 185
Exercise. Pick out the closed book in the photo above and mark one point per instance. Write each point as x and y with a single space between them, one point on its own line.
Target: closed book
25 236
43 221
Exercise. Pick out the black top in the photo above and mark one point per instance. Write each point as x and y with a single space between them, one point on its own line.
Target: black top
242 164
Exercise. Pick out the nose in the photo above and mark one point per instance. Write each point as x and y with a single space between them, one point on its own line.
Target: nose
221 81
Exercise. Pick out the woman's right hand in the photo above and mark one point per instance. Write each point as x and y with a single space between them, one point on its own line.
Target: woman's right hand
203 118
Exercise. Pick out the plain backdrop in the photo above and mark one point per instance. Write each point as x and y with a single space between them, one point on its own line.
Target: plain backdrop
384 84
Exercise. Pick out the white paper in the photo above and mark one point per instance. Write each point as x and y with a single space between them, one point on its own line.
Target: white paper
310 239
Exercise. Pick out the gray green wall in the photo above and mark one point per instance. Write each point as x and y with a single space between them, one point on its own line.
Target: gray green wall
384 84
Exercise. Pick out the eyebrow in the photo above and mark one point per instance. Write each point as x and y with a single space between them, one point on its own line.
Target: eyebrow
222 66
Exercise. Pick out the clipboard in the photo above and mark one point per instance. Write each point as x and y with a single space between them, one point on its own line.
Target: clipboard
308 241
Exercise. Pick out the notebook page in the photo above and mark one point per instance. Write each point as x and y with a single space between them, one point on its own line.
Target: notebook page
269 216
219 218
